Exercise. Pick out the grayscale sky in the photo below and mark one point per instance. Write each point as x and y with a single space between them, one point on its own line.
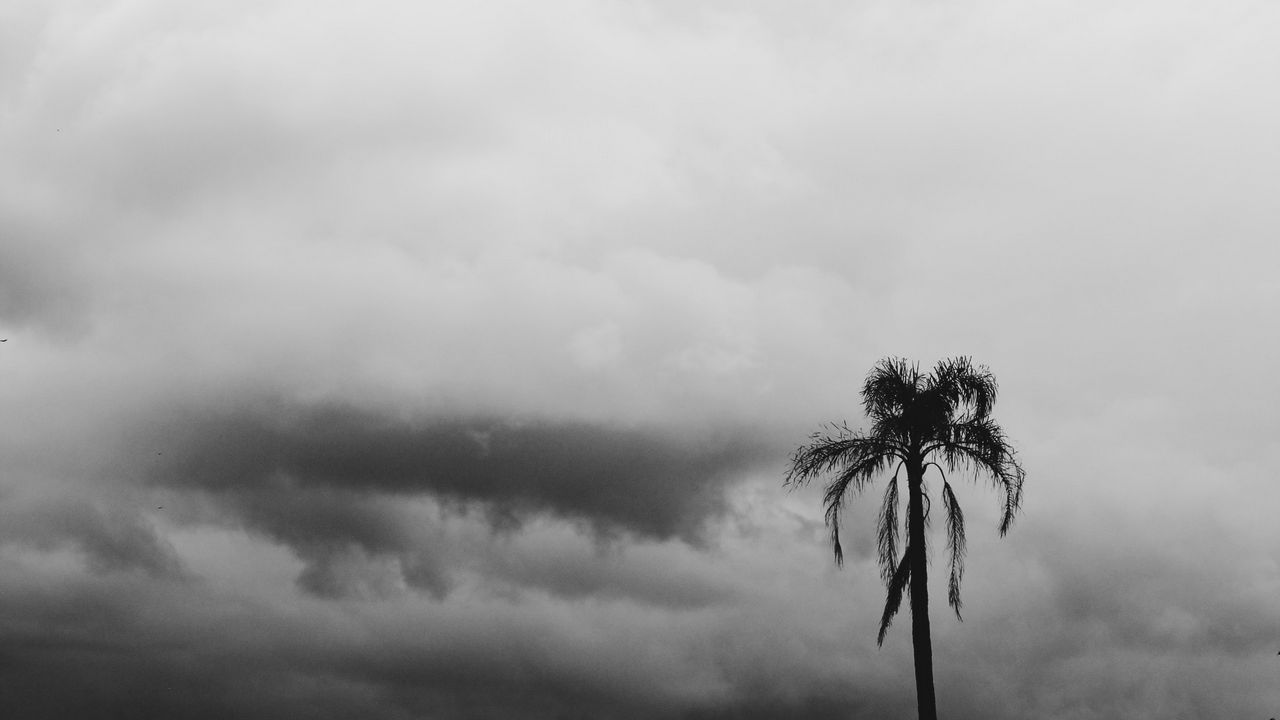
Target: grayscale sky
442 360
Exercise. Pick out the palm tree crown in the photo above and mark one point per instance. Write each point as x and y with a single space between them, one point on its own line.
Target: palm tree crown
942 420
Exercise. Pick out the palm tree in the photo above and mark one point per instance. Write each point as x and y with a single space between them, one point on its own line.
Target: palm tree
941 420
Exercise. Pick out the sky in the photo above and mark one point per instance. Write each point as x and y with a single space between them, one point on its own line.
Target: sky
443 360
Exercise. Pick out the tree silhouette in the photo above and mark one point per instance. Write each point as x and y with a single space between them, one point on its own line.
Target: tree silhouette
942 420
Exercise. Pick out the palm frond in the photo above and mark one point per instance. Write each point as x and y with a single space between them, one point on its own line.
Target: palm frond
897 585
856 458
837 447
890 386
963 385
857 476
955 545
833 522
887 531
1012 495
979 444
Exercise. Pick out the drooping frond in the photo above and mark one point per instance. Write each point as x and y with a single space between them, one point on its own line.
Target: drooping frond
887 531
1012 498
897 585
980 444
839 448
833 522
955 545
857 476
855 458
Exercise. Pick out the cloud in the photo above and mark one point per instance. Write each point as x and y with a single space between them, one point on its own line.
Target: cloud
238 641
364 497
41 274
653 482
109 538
463 348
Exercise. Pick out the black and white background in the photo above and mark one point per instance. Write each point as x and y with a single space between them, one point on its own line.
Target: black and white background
442 360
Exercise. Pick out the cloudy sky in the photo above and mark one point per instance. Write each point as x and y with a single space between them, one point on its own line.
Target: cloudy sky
442 360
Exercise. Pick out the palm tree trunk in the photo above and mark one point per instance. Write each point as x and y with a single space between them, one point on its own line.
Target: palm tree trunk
926 702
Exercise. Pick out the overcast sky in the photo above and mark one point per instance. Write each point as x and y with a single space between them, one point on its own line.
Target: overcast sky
442 360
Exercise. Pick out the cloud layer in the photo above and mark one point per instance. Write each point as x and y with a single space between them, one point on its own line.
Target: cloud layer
408 360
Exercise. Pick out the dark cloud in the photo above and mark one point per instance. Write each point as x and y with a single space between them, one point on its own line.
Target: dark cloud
151 650
580 571
344 488
1052 634
109 538
341 534
107 646
657 483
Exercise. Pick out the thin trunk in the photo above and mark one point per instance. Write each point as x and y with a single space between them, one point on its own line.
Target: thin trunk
921 644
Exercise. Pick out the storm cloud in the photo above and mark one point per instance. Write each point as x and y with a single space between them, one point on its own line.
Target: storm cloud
653 482
331 481
406 360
